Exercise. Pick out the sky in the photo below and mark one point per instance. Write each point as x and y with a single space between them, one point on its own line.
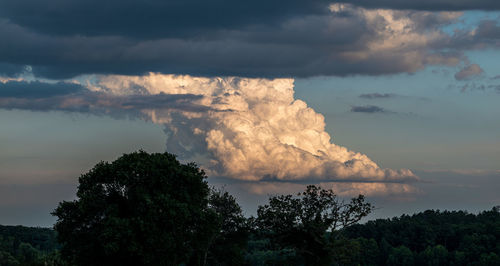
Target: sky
396 100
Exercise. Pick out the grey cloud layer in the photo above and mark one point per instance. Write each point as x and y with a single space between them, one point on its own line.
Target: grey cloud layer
429 5
153 18
61 39
36 89
173 18
70 97
9 70
377 95
367 109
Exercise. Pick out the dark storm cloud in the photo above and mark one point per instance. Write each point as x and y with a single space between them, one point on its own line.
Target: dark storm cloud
367 109
63 39
173 18
10 70
289 49
377 95
36 89
429 5
310 46
153 18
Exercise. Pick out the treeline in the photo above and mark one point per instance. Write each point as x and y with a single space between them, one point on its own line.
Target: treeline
426 238
20 245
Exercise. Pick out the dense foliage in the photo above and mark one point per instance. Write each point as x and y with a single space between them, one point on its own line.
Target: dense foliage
300 224
141 209
21 245
428 238
228 242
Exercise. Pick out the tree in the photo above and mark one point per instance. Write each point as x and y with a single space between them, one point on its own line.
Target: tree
142 209
229 239
434 256
363 252
302 222
6 259
489 259
400 256
28 255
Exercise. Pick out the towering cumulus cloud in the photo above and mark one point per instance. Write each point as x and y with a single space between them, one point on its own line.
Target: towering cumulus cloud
251 129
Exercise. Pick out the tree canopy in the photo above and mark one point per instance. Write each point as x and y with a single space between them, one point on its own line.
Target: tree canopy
142 209
301 223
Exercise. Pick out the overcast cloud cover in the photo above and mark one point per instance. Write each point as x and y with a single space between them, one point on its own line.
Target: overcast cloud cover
62 39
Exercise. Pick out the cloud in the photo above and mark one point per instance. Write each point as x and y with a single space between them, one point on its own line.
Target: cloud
151 19
36 89
341 189
368 109
156 19
377 95
10 70
495 87
239 128
255 130
73 97
469 72
468 172
297 39
429 5
488 29
473 86
485 35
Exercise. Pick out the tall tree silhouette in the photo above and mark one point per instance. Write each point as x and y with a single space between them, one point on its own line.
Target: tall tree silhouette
142 209
302 222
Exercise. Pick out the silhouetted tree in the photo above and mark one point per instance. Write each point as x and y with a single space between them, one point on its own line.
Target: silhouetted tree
228 242
302 222
142 209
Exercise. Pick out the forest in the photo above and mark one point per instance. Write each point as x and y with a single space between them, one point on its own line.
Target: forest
427 238
150 209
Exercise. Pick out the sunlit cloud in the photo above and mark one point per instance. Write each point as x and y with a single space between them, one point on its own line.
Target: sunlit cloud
469 72
241 128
